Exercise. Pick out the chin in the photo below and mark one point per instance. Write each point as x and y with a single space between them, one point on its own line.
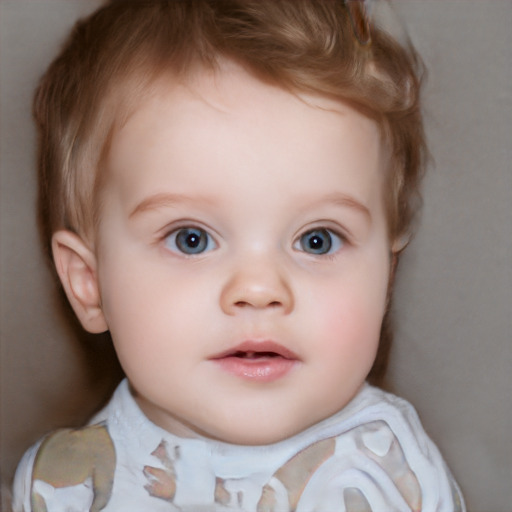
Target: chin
254 439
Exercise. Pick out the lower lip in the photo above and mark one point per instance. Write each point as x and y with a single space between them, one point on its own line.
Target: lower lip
261 369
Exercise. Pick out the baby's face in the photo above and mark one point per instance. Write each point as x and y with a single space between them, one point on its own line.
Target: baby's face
243 256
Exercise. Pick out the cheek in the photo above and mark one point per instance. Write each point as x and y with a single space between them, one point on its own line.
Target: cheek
128 301
349 343
149 309
349 318
353 325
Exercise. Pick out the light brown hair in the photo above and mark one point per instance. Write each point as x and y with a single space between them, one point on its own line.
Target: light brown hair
111 59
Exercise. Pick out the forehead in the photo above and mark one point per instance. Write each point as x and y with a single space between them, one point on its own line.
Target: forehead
226 118
225 86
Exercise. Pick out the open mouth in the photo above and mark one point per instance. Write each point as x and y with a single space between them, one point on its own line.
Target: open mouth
255 355
257 361
258 350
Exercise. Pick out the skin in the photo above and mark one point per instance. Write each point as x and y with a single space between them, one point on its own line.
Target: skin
255 167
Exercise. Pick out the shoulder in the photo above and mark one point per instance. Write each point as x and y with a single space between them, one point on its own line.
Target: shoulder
68 455
389 432
374 455
67 466
396 415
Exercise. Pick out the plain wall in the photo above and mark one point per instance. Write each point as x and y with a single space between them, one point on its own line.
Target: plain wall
452 356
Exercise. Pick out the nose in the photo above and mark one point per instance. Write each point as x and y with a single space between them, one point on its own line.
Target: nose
257 286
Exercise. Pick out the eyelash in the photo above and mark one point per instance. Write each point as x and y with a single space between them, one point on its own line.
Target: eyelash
328 242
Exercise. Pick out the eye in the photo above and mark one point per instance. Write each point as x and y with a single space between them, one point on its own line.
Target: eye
319 241
190 241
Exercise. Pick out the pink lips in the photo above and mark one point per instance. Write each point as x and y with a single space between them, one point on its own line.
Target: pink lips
263 361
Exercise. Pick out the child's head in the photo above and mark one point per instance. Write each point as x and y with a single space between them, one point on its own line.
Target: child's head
113 58
224 180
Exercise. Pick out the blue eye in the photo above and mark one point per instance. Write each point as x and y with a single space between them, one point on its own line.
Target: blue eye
190 241
320 241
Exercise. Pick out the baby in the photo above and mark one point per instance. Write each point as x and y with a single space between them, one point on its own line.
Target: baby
225 186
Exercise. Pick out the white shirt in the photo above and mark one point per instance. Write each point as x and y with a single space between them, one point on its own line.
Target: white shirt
373 456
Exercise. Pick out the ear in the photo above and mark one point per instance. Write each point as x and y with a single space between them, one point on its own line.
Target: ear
76 267
397 246
392 272
400 243
393 263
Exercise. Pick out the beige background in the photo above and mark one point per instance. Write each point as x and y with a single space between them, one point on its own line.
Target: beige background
453 354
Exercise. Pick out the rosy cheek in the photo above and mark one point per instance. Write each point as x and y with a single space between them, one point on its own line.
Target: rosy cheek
351 321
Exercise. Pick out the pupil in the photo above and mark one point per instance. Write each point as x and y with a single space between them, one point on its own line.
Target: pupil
318 241
315 242
193 240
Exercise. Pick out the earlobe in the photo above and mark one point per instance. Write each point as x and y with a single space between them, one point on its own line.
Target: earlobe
76 267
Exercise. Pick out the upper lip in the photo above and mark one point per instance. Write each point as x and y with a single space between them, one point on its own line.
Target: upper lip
249 347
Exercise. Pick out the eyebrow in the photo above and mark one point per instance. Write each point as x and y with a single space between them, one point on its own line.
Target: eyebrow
169 200
347 201
163 200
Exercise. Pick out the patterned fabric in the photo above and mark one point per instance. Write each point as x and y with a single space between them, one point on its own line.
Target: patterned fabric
371 456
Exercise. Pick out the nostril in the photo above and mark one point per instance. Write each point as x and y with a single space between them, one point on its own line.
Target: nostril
243 304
